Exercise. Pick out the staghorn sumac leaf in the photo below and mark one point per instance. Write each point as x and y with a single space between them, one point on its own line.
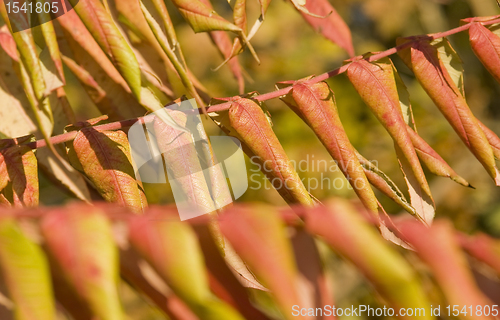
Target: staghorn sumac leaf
90 57
486 45
181 160
143 278
246 121
100 24
259 236
29 70
106 160
26 273
106 33
50 38
203 18
240 14
375 82
222 273
391 275
433 161
19 173
384 184
439 249
492 138
315 104
424 59
315 290
80 239
330 24
172 249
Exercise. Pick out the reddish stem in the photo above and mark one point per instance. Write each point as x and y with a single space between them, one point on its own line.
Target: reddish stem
266 96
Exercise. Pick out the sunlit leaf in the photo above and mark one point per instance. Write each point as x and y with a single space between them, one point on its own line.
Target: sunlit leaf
247 122
315 104
375 82
424 59
105 158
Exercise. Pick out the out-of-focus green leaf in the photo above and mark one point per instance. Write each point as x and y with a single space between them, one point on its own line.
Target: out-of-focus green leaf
172 249
100 24
81 241
433 161
105 158
258 235
357 241
425 60
384 184
26 273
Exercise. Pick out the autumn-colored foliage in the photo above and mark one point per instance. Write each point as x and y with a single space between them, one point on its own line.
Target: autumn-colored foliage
111 237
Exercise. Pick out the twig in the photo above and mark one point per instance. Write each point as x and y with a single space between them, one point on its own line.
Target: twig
266 96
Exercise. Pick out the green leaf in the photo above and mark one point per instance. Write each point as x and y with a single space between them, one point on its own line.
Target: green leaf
26 273
106 160
384 184
102 27
80 240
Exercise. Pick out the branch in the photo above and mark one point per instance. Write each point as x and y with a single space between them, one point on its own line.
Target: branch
266 96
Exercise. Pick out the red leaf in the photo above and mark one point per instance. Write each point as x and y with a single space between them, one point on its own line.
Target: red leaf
486 46
425 61
332 26
315 103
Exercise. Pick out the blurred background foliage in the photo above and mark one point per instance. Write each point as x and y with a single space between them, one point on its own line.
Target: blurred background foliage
289 49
